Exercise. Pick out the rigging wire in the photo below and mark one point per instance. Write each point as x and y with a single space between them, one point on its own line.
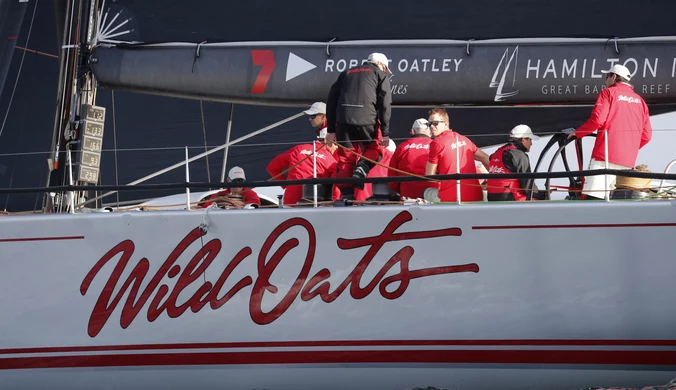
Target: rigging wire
18 76
204 134
115 146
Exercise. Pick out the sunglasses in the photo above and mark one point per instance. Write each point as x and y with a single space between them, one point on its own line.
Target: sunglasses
313 116
238 181
435 123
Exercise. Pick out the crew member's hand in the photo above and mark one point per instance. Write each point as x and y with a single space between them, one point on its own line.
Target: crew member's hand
330 138
385 141
570 131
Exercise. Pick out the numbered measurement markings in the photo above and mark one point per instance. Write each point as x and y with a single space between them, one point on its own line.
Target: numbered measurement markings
91 143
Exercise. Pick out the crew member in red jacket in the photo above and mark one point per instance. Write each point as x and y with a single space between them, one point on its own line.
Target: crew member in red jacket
248 195
442 159
411 156
513 158
621 115
299 160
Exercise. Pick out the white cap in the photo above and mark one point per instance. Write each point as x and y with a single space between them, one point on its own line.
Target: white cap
236 173
523 131
316 108
380 57
619 70
321 134
421 124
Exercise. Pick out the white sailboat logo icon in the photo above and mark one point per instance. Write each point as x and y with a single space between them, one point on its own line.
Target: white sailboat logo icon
500 95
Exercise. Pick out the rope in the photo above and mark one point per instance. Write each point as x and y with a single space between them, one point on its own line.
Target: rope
285 171
37 52
404 173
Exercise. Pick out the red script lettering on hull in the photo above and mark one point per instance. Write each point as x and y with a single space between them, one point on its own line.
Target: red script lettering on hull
165 298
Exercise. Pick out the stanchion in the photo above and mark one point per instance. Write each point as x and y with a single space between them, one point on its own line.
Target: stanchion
71 194
607 192
314 169
457 168
187 179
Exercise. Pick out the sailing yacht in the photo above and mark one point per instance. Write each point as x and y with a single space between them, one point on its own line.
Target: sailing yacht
103 287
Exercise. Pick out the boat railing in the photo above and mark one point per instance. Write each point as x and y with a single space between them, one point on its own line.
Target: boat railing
332 181
666 170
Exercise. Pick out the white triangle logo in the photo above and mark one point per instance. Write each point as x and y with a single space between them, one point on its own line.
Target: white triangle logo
296 66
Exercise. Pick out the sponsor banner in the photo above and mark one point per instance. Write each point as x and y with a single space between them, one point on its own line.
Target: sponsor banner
424 72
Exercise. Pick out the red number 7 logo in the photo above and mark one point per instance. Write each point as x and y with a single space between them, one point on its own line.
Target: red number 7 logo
266 59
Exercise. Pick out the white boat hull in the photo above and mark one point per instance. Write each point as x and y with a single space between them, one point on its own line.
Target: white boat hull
562 295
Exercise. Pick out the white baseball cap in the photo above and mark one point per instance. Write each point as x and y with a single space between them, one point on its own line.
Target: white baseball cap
236 173
523 131
380 57
316 108
619 70
421 124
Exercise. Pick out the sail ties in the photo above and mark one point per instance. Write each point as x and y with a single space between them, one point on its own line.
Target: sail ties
328 47
617 50
197 54
467 48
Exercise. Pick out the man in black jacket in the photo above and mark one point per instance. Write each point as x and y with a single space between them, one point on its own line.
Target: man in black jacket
512 158
358 104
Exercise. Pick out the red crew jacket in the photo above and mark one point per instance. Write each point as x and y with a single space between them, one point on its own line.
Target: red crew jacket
443 153
502 186
326 167
411 156
624 114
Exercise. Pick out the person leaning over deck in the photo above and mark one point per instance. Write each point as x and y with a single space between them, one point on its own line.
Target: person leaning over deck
358 112
299 167
411 156
513 158
248 195
442 159
621 115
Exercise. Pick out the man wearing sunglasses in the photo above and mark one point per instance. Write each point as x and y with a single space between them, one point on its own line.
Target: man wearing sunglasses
297 163
621 115
358 112
235 175
442 159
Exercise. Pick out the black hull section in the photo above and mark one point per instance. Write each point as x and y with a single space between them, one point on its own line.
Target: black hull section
485 73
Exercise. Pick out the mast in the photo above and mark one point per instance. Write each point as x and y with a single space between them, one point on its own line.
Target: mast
76 92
